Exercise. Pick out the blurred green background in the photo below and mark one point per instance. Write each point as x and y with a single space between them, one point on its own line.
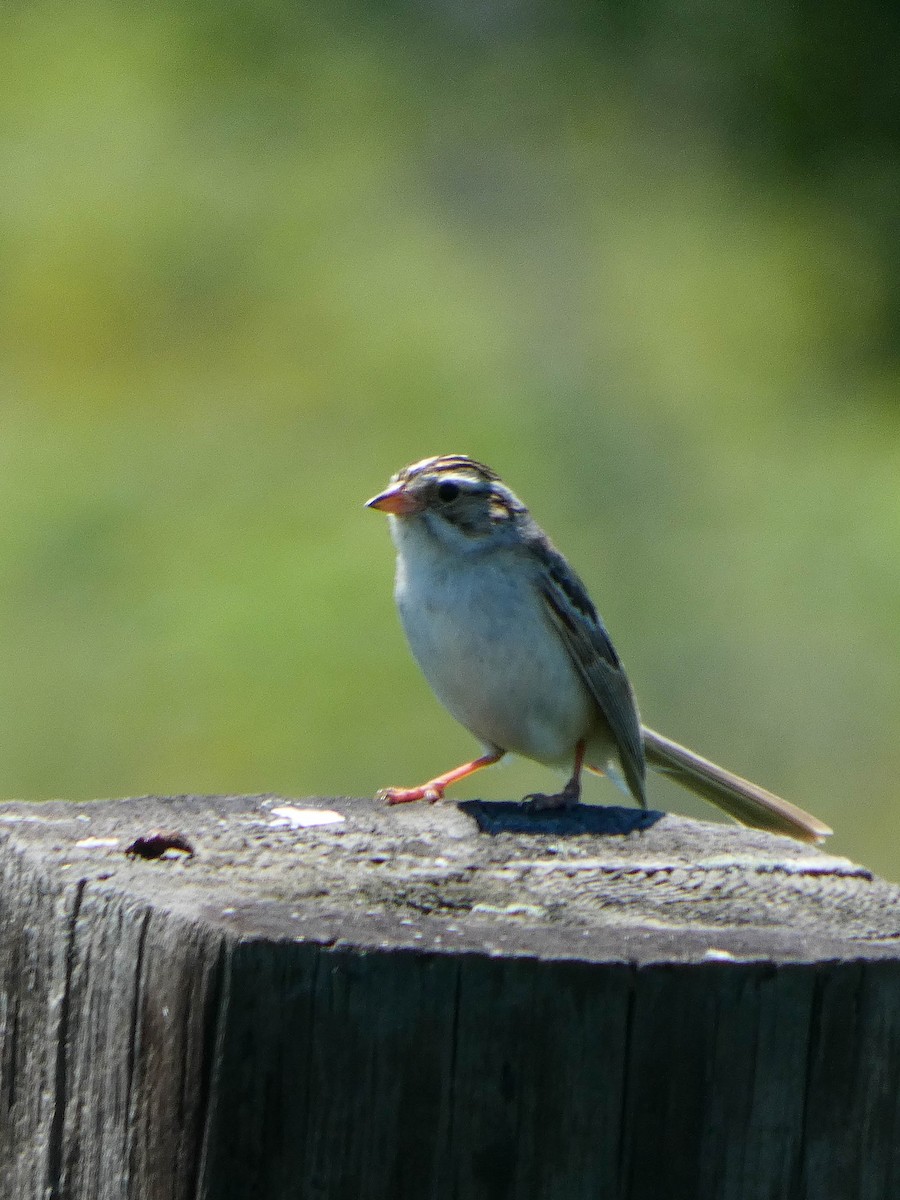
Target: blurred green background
643 259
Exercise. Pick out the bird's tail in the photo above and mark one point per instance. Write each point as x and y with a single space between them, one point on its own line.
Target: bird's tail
741 799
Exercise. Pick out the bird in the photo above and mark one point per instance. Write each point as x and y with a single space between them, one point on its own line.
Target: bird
512 645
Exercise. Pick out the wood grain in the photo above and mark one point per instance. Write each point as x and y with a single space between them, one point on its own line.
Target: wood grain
443 1002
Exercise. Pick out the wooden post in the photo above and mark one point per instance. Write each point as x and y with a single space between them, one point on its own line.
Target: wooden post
447 1002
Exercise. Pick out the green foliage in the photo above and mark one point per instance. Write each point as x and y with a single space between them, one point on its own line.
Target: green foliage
255 258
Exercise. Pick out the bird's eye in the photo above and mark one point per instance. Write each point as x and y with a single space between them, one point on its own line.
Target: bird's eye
447 491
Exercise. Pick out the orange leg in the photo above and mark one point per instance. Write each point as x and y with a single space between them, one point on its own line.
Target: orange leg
571 793
434 788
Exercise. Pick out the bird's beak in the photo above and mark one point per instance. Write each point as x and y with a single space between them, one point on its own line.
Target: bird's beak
397 501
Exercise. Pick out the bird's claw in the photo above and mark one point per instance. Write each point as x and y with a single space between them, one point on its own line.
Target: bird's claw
541 802
398 795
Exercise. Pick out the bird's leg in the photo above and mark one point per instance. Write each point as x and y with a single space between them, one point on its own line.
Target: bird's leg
569 796
434 789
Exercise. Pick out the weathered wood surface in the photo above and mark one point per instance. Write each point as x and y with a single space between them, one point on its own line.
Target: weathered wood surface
400 1005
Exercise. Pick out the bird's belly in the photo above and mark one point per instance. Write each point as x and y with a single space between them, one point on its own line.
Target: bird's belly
498 666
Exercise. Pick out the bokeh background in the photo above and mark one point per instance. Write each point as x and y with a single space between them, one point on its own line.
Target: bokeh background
642 258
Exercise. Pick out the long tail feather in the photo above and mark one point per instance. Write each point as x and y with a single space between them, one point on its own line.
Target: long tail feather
741 799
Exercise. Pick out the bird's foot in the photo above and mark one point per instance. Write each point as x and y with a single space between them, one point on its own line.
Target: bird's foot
541 802
432 792
433 789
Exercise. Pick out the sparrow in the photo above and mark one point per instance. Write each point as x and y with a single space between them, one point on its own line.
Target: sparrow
512 645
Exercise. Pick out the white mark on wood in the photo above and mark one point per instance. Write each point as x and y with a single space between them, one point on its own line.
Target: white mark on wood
303 818
510 910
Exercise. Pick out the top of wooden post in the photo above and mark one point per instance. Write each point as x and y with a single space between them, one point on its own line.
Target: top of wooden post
595 884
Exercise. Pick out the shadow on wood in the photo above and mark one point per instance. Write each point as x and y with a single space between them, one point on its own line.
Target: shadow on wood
333 999
506 816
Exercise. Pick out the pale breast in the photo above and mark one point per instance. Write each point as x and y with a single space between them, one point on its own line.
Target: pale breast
483 642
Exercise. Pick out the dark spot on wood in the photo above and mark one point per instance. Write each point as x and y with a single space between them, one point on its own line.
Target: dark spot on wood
155 844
